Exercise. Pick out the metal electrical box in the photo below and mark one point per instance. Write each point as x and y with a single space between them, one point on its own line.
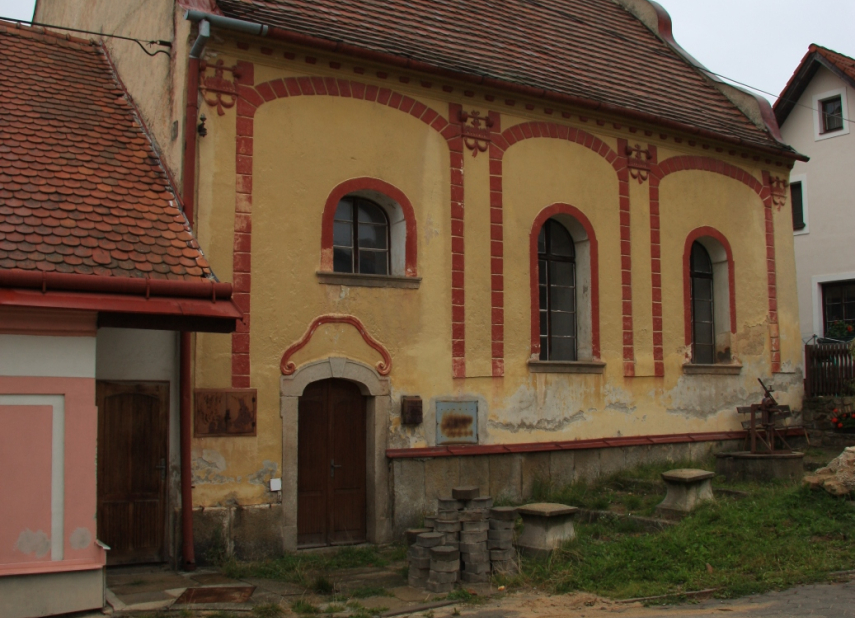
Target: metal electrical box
456 422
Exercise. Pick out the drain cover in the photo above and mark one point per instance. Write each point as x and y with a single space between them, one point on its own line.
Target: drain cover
216 594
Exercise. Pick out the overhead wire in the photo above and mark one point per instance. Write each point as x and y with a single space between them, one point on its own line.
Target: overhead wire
140 42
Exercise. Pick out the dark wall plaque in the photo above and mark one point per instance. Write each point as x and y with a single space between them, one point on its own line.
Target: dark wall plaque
225 412
411 410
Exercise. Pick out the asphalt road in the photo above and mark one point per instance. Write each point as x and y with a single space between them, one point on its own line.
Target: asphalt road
817 601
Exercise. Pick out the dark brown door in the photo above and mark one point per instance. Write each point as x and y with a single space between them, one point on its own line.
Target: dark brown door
132 452
331 465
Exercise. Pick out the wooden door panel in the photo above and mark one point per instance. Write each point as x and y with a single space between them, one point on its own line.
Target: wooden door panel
348 486
331 501
132 452
312 466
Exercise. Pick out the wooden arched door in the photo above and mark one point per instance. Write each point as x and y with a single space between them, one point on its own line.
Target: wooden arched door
331 465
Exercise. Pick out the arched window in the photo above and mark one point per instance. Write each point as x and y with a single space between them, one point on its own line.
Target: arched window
360 237
709 296
703 310
556 259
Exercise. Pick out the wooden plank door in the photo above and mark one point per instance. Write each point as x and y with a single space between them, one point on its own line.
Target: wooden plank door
132 462
331 465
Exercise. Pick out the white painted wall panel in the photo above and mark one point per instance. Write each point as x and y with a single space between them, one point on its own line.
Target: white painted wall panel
41 356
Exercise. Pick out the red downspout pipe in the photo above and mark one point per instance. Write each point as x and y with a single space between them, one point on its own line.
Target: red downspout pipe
185 347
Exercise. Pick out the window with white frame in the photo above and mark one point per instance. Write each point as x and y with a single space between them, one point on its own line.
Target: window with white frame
831 114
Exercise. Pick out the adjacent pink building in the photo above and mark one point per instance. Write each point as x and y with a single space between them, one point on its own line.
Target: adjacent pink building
98 272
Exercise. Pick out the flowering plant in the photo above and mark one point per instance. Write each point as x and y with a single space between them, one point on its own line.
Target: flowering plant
840 330
843 420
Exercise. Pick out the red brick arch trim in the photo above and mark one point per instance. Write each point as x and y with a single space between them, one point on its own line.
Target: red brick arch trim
694 235
371 184
287 366
251 96
531 130
763 191
543 217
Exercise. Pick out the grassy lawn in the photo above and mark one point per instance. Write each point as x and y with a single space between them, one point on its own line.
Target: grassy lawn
311 569
778 536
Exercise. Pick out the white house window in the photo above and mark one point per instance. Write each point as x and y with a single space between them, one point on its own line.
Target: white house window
831 115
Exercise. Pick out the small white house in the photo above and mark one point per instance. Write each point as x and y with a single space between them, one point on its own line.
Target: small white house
814 112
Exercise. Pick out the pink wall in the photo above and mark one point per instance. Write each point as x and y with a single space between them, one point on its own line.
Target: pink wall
25 494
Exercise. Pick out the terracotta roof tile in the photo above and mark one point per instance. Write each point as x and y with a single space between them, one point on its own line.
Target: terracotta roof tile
815 57
81 188
592 49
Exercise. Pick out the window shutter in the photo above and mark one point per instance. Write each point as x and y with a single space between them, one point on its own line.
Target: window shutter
798 208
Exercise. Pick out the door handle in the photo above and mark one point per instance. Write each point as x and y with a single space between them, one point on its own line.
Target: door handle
162 467
333 466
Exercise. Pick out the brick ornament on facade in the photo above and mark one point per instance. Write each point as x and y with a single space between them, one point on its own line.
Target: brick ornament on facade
250 98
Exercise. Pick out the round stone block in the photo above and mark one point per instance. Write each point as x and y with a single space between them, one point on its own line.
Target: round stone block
472 515
501 524
447 525
449 504
448 514
465 493
476 567
419 563
444 566
473 578
444 553
500 544
413 533
444 577
500 535
472 547
418 552
439 588
506 513
501 554
475 526
484 503
473 536
430 539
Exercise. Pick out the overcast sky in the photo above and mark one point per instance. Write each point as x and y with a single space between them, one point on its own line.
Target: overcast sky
758 42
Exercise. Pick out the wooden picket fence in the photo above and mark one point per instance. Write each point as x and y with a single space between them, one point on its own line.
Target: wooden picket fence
829 370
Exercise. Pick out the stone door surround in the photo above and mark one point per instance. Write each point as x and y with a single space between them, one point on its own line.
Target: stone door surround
377 391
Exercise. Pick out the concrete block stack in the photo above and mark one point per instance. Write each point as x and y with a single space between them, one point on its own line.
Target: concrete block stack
473 534
500 539
444 569
419 557
469 540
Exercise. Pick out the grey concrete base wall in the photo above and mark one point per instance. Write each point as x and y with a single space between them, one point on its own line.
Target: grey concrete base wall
417 483
48 594
245 532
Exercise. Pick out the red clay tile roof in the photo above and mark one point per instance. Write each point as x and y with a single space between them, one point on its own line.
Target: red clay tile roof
816 56
81 189
591 49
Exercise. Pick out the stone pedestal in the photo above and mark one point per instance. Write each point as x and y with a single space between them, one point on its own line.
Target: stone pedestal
764 467
545 526
687 487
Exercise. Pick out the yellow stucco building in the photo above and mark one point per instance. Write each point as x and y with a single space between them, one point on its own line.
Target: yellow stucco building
490 250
